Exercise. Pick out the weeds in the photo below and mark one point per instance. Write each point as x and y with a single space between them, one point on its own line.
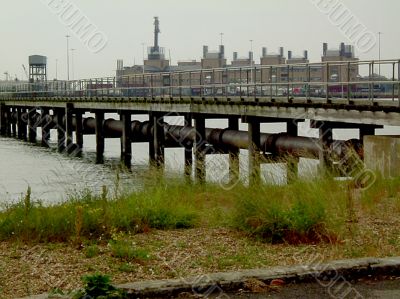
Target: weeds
306 211
99 286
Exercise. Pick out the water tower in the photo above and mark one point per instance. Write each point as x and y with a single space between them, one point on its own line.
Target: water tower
37 68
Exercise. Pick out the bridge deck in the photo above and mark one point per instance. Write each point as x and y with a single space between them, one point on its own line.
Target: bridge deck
359 111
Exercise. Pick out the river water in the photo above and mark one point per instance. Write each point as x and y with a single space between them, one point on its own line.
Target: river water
53 176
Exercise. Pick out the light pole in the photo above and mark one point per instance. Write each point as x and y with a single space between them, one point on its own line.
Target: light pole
143 44
379 41
72 62
251 60
67 36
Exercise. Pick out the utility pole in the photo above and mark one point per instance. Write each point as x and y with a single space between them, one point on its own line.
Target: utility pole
72 62
67 36
379 38
143 44
251 61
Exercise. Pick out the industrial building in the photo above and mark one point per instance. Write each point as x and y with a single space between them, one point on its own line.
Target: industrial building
290 68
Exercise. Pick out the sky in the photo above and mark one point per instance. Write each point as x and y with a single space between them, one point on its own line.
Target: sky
35 27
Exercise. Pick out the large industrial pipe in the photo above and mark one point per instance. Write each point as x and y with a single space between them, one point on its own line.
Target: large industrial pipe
222 139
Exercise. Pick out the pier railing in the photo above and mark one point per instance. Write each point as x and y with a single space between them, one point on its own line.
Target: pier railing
339 79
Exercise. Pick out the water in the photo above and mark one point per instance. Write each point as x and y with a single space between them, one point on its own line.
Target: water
53 176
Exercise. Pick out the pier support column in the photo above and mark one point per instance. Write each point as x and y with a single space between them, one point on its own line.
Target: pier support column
79 132
32 125
69 141
46 125
126 142
234 166
366 131
99 137
14 122
254 152
60 130
188 151
24 120
200 149
19 122
325 139
292 162
159 140
3 120
9 122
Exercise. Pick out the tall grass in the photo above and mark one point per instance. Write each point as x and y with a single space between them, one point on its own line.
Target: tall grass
164 206
304 211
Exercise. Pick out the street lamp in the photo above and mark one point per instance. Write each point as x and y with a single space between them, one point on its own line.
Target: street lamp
143 44
72 62
251 60
67 36
379 41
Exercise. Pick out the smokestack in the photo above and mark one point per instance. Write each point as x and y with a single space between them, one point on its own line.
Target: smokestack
251 55
305 54
222 51
342 49
235 55
289 54
205 51
281 50
324 48
264 51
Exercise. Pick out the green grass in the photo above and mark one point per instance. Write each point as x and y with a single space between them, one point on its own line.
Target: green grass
305 211
89 216
302 212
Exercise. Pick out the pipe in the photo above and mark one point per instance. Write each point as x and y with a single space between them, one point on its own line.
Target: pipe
221 139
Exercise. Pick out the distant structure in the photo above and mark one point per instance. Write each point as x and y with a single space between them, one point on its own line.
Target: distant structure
300 70
213 59
242 61
297 59
37 68
344 53
273 58
156 55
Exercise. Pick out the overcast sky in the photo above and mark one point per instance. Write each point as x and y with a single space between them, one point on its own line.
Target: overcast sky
32 27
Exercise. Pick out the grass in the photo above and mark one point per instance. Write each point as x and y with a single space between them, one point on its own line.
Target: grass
306 211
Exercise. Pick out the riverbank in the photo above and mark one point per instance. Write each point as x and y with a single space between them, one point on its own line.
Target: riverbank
321 218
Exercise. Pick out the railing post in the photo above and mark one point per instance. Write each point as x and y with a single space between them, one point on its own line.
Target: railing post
372 82
327 81
308 84
288 82
398 79
240 81
348 80
393 79
270 82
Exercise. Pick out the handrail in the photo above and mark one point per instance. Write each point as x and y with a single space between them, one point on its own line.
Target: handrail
327 79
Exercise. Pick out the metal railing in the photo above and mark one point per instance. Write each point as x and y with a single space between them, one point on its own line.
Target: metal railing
338 79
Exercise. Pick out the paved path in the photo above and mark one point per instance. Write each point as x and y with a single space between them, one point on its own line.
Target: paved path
384 289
